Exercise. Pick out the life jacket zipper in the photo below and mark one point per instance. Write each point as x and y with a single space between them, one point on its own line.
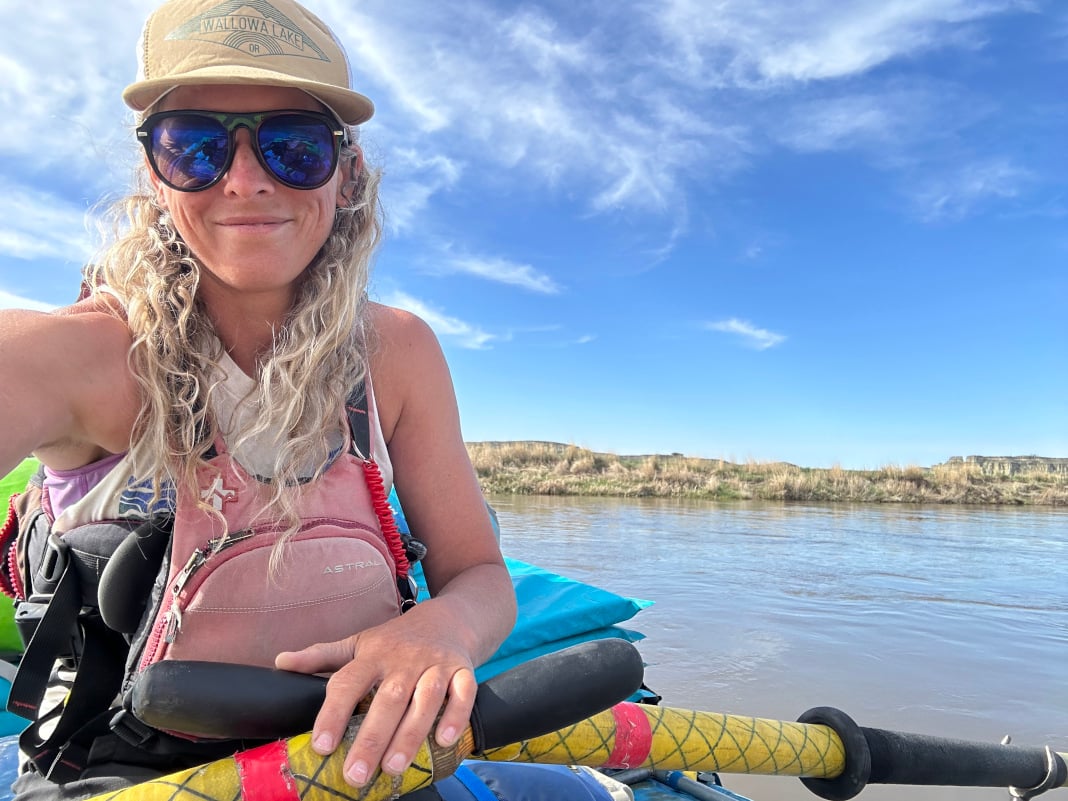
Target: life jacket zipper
173 618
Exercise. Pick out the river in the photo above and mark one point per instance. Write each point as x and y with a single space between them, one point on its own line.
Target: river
948 620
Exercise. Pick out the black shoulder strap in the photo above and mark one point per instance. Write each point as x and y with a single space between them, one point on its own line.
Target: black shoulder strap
100 658
359 424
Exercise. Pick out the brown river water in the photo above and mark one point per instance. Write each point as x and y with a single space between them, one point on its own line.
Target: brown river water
948 621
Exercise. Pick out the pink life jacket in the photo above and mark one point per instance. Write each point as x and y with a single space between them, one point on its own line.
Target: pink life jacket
222 603
342 572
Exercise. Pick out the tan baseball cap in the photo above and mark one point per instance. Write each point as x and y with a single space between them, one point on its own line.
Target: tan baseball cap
263 42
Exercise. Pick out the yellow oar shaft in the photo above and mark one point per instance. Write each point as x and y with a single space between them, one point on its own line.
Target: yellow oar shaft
642 736
626 736
301 772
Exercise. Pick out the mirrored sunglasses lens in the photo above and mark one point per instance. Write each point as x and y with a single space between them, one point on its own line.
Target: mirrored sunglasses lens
299 150
190 151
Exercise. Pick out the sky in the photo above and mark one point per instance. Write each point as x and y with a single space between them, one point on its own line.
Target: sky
826 232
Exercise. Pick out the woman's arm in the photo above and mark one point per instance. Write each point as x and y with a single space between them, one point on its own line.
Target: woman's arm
426 657
66 393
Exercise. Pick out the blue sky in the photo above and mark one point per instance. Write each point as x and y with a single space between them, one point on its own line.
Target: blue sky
814 231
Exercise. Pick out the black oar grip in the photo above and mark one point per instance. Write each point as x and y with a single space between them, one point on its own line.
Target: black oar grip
220 700
902 758
878 756
554 691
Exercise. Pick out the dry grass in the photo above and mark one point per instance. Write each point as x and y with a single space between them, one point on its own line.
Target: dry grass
548 468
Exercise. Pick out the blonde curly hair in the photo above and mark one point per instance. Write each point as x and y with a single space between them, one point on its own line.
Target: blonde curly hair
319 355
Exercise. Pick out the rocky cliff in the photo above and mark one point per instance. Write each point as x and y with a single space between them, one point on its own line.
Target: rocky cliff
1012 465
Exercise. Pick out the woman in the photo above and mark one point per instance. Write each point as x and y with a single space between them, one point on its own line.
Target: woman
230 312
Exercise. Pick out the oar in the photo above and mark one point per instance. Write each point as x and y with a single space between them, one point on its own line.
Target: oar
831 754
237 701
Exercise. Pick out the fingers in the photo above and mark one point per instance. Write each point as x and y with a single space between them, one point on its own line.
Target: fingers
401 717
407 698
456 716
389 734
344 689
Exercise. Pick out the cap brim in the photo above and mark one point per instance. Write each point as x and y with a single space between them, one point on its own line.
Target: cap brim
352 107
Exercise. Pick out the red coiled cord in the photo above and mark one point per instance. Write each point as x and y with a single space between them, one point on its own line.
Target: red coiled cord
386 521
11 581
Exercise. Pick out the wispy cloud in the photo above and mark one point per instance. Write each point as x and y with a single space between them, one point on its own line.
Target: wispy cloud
621 113
9 300
503 271
69 111
35 225
463 334
952 196
841 122
764 42
540 39
678 231
617 111
414 180
522 91
759 338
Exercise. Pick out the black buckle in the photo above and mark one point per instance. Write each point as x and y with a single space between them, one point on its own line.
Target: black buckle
130 730
54 561
27 615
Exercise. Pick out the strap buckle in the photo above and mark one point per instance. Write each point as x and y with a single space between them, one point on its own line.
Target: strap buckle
54 560
130 730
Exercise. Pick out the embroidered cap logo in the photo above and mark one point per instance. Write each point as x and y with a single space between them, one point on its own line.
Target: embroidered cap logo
254 27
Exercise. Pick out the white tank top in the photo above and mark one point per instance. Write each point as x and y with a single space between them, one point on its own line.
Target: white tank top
119 492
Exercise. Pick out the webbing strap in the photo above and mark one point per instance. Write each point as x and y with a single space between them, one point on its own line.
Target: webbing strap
52 637
474 785
359 422
61 755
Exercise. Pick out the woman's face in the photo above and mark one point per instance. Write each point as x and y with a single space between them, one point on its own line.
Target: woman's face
252 234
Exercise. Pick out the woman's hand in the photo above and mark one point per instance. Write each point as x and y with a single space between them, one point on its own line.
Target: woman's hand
414 664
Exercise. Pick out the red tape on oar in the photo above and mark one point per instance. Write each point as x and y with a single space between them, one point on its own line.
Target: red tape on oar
634 736
265 775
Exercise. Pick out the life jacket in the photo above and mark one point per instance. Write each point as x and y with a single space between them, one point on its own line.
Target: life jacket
108 598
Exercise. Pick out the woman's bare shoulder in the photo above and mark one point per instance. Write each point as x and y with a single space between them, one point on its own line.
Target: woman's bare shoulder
399 340
72 389
406 361
396 324
63 336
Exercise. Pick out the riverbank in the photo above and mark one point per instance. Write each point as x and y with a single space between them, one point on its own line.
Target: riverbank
549 468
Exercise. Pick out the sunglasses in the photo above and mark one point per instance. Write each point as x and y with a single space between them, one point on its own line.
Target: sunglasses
191 150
